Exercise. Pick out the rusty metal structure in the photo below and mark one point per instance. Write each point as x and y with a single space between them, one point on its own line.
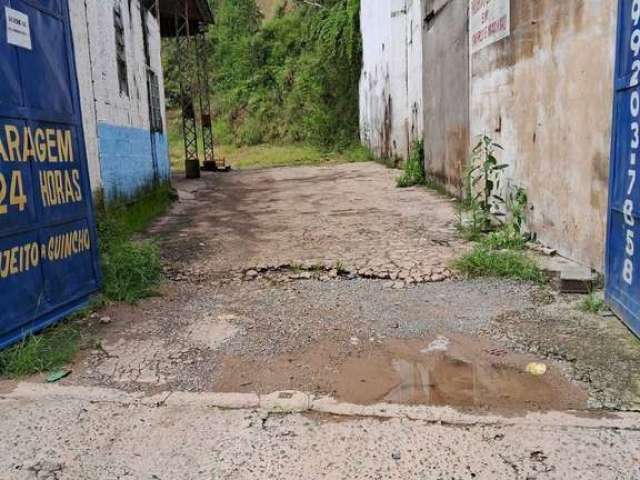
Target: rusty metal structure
186 21
209 161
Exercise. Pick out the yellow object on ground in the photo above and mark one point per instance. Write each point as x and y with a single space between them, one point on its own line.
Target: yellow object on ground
537 369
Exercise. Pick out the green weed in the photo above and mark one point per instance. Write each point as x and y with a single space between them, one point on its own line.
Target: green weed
483 261
51 349
413 168
507 237
340 267
592 304
470 224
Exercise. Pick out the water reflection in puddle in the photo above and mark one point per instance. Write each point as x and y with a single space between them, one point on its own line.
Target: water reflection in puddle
440 380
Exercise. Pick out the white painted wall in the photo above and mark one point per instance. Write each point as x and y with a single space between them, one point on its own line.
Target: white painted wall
112 106
80 32
391 82
101 100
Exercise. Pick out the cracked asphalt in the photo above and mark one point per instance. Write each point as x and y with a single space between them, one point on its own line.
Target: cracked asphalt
332 282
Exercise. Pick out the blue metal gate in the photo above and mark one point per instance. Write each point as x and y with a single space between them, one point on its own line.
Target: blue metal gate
48 247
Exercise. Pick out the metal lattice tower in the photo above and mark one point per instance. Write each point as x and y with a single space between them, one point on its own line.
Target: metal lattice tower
189 127
209 161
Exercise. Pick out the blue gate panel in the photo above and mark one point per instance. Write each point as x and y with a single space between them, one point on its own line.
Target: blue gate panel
57 183
15 176
49 90
623 246
48 244
22 292
68 253
10 93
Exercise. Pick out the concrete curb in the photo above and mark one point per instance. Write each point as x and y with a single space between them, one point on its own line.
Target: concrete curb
291 402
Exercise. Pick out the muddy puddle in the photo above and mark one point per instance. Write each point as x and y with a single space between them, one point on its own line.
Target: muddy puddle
445 370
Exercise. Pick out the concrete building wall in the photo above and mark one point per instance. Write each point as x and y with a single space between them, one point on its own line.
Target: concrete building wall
80 33
391 82
545 94
446 91
124 156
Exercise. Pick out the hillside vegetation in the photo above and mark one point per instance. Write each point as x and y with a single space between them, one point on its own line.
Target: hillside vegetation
268 8
291 79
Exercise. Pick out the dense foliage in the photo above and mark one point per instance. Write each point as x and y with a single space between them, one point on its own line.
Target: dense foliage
293 78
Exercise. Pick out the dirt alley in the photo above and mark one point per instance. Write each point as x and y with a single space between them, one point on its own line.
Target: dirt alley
331 281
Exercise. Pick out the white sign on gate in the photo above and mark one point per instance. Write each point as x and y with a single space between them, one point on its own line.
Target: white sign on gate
489 21
18 31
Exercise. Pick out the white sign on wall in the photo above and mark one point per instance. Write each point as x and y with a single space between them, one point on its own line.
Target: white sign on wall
489 21
18 31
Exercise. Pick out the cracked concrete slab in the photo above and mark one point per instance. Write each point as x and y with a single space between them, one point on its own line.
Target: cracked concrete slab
106 434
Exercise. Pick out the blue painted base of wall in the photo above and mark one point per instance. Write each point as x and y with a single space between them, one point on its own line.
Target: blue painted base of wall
162 154
131 159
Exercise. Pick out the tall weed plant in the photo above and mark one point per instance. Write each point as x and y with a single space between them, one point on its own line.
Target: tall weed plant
414 173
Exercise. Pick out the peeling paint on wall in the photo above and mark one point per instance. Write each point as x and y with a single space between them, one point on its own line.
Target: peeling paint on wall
391 83
446 91
545 94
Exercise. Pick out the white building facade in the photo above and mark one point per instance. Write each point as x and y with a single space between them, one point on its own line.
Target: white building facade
117 49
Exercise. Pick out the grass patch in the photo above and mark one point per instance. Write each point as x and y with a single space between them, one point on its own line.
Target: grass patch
131 269
51 349
483 261
264 155
123 218
592 304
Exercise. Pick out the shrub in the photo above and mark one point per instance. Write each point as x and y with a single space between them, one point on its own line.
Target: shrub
222 131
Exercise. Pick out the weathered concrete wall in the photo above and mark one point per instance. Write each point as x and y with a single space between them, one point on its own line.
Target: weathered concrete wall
391 84
446 91
80 32
123 155
545 94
